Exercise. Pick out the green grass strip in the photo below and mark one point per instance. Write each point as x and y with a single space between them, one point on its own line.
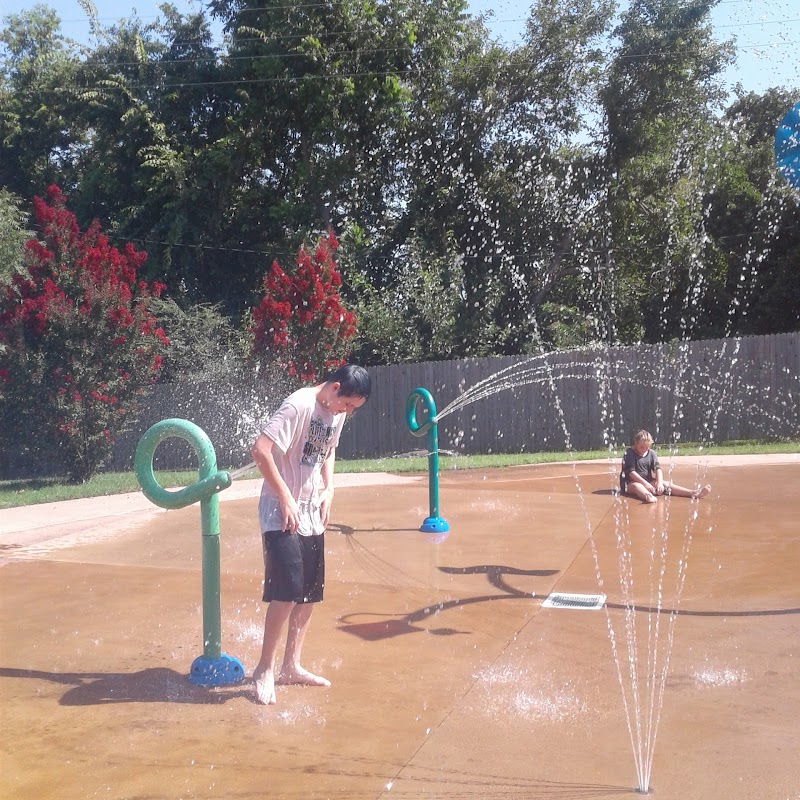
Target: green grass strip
24 492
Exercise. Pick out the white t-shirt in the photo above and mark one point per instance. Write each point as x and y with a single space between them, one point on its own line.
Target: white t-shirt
304 433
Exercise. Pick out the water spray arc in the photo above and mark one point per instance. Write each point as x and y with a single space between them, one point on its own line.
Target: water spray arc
433 523
213 668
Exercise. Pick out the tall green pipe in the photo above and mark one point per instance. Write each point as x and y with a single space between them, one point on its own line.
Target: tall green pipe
433 523
213 668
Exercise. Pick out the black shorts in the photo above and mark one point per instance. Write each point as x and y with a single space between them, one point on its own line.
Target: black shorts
294 567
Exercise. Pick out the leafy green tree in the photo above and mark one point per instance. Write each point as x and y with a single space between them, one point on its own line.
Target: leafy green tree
315 94
487 170
129 125
13 235
659 99
481 209
39 119
79 348
415 319
663 77
155 102
753 217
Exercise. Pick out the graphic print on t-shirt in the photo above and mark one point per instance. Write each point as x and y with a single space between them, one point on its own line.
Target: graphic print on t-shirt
320 438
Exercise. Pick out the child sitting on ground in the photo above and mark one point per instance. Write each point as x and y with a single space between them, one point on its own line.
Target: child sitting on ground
642 477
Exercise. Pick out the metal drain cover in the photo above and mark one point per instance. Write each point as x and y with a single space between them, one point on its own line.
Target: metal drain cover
587 602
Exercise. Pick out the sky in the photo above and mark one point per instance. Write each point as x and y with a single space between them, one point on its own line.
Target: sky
767 32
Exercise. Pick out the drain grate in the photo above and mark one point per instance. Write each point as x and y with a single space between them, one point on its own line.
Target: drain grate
587 602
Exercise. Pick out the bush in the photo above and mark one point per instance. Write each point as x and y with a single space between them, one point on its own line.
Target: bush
78 346
203 343
300 323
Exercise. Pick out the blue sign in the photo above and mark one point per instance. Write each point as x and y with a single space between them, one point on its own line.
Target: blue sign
787 146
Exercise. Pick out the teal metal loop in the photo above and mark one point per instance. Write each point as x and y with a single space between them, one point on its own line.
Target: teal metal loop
433 523
213 668
411 412
210 481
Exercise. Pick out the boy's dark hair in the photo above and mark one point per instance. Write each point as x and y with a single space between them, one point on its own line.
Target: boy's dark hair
353 380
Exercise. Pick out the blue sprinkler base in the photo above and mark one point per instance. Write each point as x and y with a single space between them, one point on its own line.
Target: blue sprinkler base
222 671
434 525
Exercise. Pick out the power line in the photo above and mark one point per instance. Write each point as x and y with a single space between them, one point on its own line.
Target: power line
345 75
488 22
326 5
249 81
228 58
321 35
275 252
367 51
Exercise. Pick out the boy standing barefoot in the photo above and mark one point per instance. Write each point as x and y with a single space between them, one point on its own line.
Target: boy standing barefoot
295 453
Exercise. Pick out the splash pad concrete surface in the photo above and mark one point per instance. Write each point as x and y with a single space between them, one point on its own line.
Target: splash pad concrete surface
449 678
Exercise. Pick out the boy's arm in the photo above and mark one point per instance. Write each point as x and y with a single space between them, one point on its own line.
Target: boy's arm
262 455
633 476
656 473
326 490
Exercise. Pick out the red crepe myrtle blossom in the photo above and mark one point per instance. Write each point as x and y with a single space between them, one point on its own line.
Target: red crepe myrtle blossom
77 342
300 323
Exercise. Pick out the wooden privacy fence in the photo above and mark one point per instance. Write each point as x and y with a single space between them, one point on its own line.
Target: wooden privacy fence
685 391
716 390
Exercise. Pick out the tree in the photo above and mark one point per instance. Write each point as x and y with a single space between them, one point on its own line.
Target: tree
155 103
13 235
754 220
664 75
486 172
79 347
39 117
203 343
659 100
414 320
300 323
316 97
583 185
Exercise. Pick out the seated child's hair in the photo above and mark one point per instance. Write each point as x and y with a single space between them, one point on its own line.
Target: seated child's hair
643 437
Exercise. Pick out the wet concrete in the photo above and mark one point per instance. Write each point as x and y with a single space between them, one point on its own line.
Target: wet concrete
449 678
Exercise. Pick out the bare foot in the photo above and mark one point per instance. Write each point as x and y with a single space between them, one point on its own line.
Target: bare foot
650 498
265 687
702 491
302 676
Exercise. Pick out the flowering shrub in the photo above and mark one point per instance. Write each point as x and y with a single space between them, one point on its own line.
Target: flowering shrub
300 324
78 347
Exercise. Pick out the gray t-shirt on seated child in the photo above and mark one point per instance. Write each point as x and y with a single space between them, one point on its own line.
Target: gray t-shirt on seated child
304 433
645 465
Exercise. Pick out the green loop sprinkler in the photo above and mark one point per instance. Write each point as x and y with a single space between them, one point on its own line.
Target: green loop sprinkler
433 523
213 668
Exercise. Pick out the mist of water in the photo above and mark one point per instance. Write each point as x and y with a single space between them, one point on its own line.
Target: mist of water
642 644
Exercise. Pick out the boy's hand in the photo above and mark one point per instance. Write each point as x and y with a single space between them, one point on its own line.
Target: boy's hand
325 504
291 514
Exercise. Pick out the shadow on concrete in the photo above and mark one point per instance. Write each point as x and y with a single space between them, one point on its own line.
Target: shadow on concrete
407 623
495 572
155 685
490 786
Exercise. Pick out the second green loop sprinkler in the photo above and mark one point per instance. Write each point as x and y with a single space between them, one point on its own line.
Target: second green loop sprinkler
213 668
433 523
